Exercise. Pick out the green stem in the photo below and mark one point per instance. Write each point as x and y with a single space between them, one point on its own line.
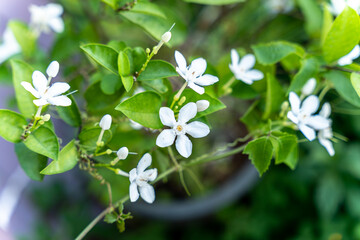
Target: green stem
229 83
178 95
323 92
172 157
38 113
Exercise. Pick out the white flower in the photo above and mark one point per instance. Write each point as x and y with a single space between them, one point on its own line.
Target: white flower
326 134
202 105
302 115
9 46
193 74
105 122
44 93
139 179
180 128
242 68
166 37
348 59
337 6
122 153
309 87
44 18
279 6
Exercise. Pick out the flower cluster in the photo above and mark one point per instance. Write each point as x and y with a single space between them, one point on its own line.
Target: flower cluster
9 46
46 18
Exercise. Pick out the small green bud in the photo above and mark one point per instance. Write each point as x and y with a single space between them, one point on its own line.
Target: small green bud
41 122
100 144
46 117
148 50
109 151
182 100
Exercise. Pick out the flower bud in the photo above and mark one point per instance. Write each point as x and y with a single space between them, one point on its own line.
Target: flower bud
202 105
53 69
166 37
109 151
46 117
309 87
182 100
123 153
41 122
105 122
148 50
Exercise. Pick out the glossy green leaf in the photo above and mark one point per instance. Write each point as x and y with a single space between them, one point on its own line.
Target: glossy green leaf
143 108
11 125
43 141
313 16
139 58
161 86
355 81
214 2
123 64
342 84
252 117
326 22
31 162
243 91
157 69
260 153
110 83
24 36
68 158
71 114
88 137
23 72
274 96
286 149
117 45
309 69
103 55
274 52
128 82
149 8
343 36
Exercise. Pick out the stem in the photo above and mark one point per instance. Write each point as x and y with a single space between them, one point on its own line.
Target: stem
100 136
229 83
93 223
172 157
177 96
323 92
110 194
38 113
49 80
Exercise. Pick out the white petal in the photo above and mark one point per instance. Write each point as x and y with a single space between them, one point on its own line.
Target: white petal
53 69
254 75
132 175
355 53
63 101
197 67
292 117
144 162
317 122
181 62
325 110
183 146
345 61
57 24
39 82
206 80
242 77
122 153
310 105
133 192
166 138
167 116
234 57
247 62
54 10
40 102
294 102
150 175
308 132
187 112
57 88
328 146
29 87
196 88
309 87
105 122
202 105
197 129
147 193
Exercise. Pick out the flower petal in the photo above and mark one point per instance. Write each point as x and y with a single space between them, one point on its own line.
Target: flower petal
54 10
328 146
53 69
197 129
292 117
294 102
40 102
144 162
166 138
57 24
167 116
308 132
206 80
187 112
29 87
309 87
247 62
147 193
196 88
132 175
57 88
234 57
150 175
39 82
181 62
202 105
105 122
122 153
310 105
197 67
133 192
254 75
325 110
60 101
317 122
183 146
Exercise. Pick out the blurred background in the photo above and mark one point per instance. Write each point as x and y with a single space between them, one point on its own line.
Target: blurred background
318 200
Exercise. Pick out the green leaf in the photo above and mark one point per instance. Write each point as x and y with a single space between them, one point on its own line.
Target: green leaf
214 2
139 58
88 137
110 84
148 8
24 36
11 125
286 149
274 96
243 91
342 84
117 45
23 72
274 52
260 153
143 108
327 22
159 85
191 96
157 69
128 82
68 158
343 36
355 81
112 3
313 16
123 64
103 55
309 69
111 217
43 141
70 114
31 162
252 117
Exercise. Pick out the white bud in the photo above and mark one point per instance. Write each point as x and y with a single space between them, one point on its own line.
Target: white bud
53 69
46 117
309 87
123 153
202 105
166 37
105 122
